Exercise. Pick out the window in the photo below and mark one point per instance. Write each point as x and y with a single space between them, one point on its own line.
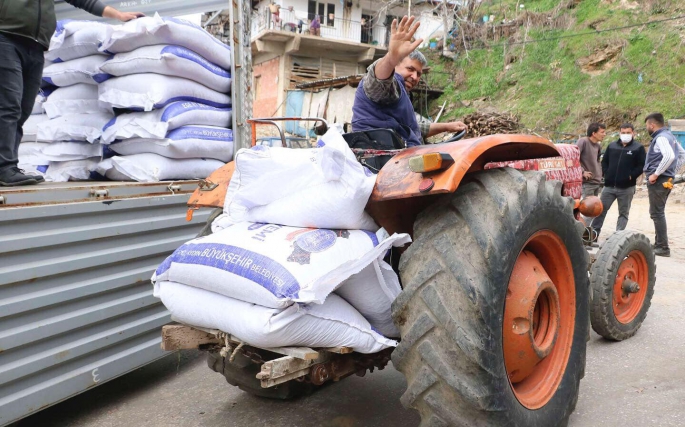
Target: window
326 12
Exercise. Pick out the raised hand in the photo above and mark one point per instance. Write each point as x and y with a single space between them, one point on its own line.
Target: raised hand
401 35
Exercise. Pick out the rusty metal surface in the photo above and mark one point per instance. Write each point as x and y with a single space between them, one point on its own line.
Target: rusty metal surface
396 181
207 197
51 193
76 304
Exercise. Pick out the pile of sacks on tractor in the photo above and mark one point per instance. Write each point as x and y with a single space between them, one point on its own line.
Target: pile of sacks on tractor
293 260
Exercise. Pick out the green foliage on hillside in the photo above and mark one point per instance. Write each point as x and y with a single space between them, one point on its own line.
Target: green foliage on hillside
560 82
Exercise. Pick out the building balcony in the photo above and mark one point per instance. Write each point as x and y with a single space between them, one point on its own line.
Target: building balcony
291 28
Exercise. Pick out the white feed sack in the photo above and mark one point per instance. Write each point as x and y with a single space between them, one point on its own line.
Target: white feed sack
80 70
149 91
320 187
157 123
186 142
371 292
31 125
149 167
42 96
155 30
73 170
331 324
80 98
76 39
73 127
273 265
171 61
42 152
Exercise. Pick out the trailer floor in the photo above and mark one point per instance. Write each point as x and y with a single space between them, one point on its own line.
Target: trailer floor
638 382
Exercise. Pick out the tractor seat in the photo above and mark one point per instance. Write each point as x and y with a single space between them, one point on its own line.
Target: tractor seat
375 139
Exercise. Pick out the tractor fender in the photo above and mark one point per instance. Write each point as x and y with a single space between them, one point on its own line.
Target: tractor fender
397 181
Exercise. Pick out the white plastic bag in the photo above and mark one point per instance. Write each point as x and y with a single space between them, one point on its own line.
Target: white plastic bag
153 30
150 167
148 91
273 265
80 98
187 142
73 170
171 61
80 70
40 100
156 123
320 187
76 39
371 292
73 127
332 324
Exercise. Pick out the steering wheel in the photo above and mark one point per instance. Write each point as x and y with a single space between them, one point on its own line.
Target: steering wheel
455 137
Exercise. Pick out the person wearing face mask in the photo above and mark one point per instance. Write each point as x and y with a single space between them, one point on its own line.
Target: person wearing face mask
622 164
665 157
382 97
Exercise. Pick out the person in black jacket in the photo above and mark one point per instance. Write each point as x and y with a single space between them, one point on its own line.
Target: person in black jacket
26 27
622 164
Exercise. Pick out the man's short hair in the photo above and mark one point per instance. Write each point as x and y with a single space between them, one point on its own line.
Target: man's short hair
627 126
657 118
594 127
418 56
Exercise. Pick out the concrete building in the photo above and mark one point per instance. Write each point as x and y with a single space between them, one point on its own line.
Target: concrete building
287 50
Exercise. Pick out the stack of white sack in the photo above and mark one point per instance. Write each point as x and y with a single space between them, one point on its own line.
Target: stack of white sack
64 141
173 78
34 165
319 280
268 284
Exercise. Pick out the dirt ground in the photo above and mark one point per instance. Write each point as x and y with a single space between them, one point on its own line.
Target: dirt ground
637 382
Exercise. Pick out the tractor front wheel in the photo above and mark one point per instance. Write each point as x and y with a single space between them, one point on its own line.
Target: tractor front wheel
622 280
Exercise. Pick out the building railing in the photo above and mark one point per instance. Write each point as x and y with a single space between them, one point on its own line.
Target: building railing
339 29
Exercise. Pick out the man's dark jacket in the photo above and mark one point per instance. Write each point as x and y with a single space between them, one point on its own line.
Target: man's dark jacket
621 166
35 19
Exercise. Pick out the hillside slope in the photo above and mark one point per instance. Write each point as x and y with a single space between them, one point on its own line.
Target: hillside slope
557 81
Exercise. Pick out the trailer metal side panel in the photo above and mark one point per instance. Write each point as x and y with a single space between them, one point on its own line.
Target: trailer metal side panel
76 304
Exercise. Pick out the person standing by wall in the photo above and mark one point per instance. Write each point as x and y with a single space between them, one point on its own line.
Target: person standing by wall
665 156
622 164
25 31
590 151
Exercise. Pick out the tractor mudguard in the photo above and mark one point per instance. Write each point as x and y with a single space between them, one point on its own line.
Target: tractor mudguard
397 181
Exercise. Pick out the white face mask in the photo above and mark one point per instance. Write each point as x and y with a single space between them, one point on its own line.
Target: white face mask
626 137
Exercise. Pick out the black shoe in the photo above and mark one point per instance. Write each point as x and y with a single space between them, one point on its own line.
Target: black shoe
14 176
662 252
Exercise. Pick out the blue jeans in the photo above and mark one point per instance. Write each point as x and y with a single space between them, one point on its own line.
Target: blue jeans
21 71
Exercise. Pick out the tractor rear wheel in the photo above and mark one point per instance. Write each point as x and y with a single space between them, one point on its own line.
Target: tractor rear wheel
622 280
494 311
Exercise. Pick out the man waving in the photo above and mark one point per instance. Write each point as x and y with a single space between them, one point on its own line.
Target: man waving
382 98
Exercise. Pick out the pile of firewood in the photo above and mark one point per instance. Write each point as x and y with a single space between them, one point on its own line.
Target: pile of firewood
490 123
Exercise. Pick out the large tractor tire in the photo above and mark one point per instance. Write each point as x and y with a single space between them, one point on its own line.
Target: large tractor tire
242 373
494 311
622 280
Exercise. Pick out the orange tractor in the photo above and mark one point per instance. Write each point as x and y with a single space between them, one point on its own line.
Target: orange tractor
498 286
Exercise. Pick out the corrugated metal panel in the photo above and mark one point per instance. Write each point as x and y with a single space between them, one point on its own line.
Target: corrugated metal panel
76 304
149 7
